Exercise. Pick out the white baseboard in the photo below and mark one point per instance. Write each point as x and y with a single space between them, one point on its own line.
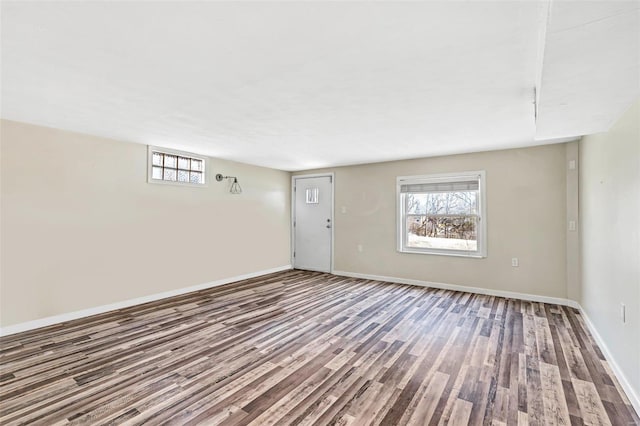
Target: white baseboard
56 319
455 287
632 394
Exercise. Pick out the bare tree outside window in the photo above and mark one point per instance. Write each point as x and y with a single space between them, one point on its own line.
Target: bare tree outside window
442 220
441 216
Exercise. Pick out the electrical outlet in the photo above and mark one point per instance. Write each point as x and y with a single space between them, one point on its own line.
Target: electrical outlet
572 164
360 248
514 262
343 209
623 313
572 225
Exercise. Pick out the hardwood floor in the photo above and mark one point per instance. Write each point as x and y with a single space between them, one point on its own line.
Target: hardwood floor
308 348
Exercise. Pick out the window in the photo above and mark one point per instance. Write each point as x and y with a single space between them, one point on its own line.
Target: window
312 195
175 167
442 214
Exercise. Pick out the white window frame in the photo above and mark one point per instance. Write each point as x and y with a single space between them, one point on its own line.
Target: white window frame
481 228
205 167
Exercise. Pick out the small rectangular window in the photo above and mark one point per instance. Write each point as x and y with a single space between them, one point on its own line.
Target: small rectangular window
442 214
175 167
312 195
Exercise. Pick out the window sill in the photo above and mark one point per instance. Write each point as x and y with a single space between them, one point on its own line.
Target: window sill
176 183
443 253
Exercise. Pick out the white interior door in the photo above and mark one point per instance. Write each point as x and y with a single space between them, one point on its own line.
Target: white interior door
312 223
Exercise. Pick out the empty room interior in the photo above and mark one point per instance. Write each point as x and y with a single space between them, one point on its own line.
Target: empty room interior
320 213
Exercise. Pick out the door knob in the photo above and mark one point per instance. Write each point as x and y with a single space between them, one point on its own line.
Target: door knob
328 226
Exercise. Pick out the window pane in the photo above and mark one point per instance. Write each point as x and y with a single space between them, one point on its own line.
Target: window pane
176 168
459 202
196 177
462 202
196 164
312 195
170 161
183 163
170 174
156 159
416 203
156 173
447 233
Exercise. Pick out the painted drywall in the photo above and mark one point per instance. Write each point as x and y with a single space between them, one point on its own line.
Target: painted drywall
573 216
271 83
610 232
81 227
526 208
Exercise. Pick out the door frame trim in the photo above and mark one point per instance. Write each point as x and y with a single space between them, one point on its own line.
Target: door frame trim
293 213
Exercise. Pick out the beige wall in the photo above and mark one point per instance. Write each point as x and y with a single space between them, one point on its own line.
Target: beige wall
81 227
526 207
573 214
610 230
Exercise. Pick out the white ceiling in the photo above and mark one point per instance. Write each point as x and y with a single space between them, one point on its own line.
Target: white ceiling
299 85
591 67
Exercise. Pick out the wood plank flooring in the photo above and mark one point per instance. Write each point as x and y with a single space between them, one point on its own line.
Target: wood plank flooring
302 348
